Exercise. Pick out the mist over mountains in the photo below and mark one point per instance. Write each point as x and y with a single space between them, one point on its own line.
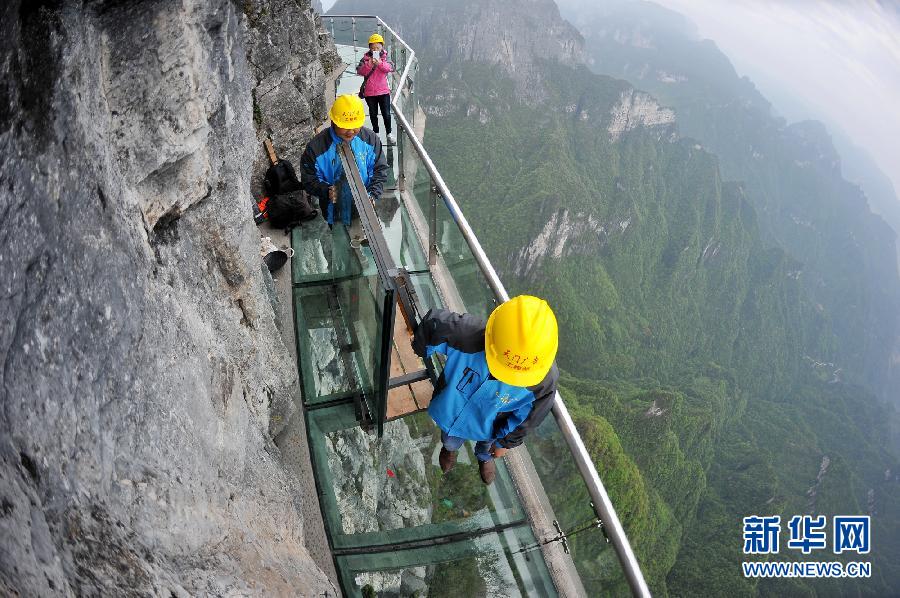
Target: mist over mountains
791 170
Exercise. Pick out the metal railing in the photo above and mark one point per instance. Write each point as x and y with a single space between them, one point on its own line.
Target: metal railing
601 502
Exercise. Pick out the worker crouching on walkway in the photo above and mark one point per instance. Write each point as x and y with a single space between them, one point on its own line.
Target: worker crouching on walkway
499 380
322 173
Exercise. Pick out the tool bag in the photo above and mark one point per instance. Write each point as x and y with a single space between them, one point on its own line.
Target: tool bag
281 178
287 210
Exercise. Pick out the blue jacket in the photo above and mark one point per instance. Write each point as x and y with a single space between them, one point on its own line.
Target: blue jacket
468 402
321 168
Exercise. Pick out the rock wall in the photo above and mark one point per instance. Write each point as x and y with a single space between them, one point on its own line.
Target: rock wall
140 355
637 109
566 234
289 54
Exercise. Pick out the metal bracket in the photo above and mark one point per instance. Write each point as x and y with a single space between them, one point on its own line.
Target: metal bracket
361 410
561 536
600 524
409 378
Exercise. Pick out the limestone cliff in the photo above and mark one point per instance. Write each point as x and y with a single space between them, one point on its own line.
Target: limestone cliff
140 353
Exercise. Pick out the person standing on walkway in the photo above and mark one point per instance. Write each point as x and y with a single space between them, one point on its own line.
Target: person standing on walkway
499 380
374 68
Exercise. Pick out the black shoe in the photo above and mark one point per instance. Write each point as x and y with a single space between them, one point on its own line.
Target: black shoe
447 460
488 471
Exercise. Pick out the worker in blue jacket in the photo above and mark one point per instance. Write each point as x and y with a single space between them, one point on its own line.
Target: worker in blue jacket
499 380
321 171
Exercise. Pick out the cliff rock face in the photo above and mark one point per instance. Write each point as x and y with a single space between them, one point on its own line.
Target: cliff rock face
636 109
289 54
140 353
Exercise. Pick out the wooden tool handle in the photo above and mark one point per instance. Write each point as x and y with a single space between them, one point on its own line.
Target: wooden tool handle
271 151
409 320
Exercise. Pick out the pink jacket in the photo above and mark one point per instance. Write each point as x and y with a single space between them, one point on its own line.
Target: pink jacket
377 84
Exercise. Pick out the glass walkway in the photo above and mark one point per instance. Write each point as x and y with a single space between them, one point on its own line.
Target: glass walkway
397 526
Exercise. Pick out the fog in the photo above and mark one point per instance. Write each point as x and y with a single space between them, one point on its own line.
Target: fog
832 60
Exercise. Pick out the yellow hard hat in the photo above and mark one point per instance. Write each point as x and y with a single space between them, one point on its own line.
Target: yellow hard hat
376 39
347 112
520 341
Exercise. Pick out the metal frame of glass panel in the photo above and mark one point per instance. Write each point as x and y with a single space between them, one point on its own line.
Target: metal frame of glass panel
451 565
339 308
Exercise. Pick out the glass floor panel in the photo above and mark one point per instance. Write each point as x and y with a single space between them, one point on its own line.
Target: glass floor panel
349 81
491 565
323 254
391 490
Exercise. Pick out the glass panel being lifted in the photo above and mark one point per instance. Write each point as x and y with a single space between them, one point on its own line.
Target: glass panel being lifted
338 308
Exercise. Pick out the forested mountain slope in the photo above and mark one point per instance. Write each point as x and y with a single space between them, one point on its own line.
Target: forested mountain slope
700 365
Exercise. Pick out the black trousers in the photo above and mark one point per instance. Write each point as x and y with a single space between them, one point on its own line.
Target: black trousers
384 101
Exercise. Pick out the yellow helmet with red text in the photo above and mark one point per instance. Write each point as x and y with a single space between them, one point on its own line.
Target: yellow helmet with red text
520 341
347 112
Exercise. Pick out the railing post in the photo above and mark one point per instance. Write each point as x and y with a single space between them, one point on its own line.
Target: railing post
413 103
401 175
332 28
403 63
432 224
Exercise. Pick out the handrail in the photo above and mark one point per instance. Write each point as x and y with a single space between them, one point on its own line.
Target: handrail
585 464
602 503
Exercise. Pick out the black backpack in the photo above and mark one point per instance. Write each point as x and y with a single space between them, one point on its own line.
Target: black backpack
286 210
281 178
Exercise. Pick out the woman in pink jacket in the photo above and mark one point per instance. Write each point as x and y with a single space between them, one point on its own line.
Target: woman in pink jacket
374 67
